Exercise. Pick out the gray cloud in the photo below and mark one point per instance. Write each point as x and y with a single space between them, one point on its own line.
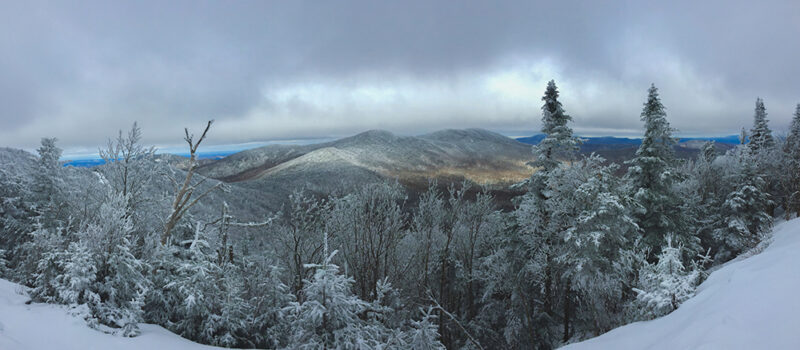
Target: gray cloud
269 70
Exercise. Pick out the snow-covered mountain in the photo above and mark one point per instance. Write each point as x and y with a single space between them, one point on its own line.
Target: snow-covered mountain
749 303
479 155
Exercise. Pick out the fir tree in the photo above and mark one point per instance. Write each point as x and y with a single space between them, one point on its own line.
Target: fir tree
744 211
539 218
44 255
653 176
760 135
3 264
423 334
600 228
75 284
46 184
559 143
212 309
791 178
329 316
665 284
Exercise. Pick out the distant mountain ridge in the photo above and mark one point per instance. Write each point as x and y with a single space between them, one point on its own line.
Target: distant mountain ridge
612 140
620 149
475 154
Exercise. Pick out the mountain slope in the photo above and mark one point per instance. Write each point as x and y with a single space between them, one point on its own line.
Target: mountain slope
47 326
750 303
479 155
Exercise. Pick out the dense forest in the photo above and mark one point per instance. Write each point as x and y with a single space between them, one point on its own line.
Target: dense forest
583 251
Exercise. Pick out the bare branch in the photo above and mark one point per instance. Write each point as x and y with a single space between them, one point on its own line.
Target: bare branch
183 197
454 319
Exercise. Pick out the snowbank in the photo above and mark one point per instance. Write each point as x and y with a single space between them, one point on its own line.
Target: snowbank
748 304
43 326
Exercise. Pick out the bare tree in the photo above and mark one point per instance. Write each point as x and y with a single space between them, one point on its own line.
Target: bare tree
299 240
367 226
121 156
183 196
128 167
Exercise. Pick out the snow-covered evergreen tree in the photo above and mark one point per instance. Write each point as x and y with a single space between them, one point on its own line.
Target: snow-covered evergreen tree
760 135
266 295
601 230
791 178
664 285
212 309
43 262
559 144
653 175
705 187
329 316
98 269
743 215
423 334
17 218
76 282
3 264
47 178
532 262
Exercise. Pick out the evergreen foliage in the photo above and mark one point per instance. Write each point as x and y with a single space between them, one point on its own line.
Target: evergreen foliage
653 176
791 178
760 135
664 285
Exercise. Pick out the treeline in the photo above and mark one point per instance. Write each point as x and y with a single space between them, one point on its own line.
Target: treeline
584 251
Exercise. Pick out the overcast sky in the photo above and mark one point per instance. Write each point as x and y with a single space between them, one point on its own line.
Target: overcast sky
268 70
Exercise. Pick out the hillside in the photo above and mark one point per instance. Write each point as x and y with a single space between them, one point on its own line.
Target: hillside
749 303
449 155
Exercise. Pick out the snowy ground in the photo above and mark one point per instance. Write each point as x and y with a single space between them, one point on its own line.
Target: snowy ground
42 326
752 303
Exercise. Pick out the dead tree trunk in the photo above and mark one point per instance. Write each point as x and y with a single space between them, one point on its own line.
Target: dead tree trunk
183 196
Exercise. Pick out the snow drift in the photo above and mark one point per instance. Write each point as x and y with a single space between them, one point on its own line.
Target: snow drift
749 303
46 326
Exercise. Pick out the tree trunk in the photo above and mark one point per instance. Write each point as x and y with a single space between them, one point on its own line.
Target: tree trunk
567 307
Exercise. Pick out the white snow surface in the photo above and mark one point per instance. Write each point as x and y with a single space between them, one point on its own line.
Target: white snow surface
46 326
750 303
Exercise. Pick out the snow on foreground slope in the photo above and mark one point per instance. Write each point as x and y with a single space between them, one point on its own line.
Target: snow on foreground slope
748 304
43 326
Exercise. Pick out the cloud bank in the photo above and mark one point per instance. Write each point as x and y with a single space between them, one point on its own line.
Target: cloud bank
288 70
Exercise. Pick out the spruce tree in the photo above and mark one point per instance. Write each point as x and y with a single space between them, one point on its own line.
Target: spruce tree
666 284
330 315
744 212
46 184
538 216
559 141
791 150
760 135
653 176
598 228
